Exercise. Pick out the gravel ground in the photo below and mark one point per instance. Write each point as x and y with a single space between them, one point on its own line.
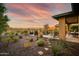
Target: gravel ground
18 49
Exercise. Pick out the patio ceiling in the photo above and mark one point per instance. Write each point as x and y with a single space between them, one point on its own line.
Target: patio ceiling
71 20
70 17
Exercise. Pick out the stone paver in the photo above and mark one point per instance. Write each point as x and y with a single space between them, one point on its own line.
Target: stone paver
40 52
46 49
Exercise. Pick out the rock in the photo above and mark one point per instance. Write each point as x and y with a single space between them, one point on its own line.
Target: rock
46 49
40 52
49 43
49 46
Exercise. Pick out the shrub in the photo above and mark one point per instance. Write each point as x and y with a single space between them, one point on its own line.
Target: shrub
57 48
5 40
27 44
28 38
10 39
15 39
31 40
56 32
24 32
10 33
74 28
40 42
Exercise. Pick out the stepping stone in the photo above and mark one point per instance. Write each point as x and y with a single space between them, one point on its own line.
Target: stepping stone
49 43
46 49
49 46
40 52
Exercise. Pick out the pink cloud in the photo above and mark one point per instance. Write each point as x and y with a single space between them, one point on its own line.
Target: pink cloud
36 14
32 10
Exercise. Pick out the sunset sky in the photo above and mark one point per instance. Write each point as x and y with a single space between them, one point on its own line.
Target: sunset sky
28 15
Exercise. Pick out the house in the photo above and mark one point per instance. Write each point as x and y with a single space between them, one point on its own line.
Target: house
67 18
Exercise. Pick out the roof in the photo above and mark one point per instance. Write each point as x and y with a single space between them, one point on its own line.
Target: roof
65 15
74 11
62 15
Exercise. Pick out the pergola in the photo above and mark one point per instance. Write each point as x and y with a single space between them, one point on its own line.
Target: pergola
67 18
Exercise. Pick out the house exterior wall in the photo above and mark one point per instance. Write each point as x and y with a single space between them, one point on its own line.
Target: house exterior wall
78 27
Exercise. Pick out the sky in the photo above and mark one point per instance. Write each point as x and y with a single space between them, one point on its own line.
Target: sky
34 15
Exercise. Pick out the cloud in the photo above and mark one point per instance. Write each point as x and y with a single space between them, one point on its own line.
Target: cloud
33 14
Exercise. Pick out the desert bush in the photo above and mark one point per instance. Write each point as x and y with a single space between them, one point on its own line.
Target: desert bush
9 39
28 38
74 28
27 44
5 40
40 42
56 33
24 32
10 33
58 47
56 50
31 40
15 39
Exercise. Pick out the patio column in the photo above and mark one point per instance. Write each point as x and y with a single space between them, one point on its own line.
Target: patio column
67 28
62 28
78 26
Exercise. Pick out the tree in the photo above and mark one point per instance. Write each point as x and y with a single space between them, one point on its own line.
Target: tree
46 26
3 18
74 28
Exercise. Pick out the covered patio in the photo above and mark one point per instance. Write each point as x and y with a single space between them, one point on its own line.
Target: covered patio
66 19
